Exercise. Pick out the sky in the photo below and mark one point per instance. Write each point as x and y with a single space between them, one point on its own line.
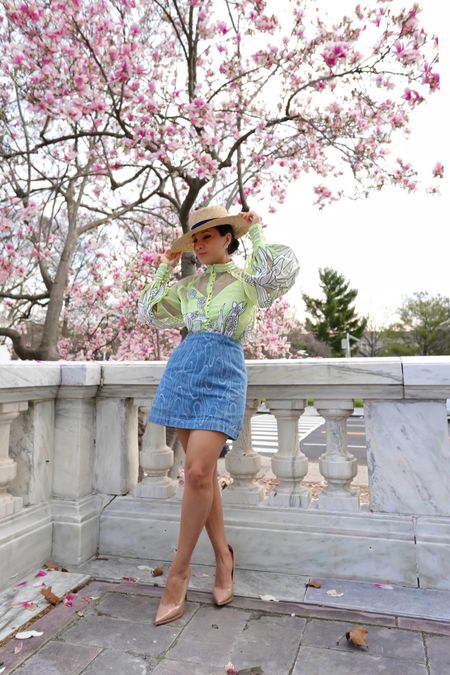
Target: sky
392 244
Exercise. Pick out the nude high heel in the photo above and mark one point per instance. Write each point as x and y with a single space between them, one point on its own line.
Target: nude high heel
172 612
223 596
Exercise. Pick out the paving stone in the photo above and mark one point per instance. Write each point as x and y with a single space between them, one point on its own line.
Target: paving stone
438 648
422 603
58 658
388 642
268 641
215 636
112 662
203 644
128 607
170 667
133 636
313 661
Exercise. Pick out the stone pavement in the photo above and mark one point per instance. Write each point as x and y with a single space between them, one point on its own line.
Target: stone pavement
109 629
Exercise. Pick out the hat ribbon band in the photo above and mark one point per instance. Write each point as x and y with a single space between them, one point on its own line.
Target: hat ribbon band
201 222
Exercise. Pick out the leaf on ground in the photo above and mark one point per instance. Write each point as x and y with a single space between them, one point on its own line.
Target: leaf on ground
50 596
313 584
157 572
386 586
18 648
51 565
25 634
357 636
268 598
334 594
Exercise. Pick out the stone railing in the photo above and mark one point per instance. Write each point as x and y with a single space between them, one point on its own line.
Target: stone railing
69 467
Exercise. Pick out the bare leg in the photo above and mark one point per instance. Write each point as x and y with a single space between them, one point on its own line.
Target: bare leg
214 524
203 450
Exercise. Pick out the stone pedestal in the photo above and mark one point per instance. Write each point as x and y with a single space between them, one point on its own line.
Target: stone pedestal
156 459
337 465
9 504
289 464
243 463
408 457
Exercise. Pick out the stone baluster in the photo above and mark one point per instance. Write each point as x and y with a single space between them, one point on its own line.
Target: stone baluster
336 464
156 459
9 504
243 463
289 464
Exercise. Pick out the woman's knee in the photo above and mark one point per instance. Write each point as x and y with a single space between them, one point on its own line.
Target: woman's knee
198 475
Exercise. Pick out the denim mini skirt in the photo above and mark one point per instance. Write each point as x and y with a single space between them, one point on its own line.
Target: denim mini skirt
204 386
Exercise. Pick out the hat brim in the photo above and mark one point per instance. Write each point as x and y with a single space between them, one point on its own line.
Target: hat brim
184 243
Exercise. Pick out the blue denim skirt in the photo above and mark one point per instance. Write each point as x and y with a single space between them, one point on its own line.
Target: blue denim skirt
204 386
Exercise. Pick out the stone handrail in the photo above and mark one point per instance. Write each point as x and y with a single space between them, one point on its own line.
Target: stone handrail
69 444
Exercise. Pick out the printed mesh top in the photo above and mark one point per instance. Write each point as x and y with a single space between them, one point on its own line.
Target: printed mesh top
223 299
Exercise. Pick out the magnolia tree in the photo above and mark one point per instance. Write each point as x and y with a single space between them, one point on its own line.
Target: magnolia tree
116 116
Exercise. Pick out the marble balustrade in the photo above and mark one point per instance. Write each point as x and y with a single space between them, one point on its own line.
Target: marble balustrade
69 449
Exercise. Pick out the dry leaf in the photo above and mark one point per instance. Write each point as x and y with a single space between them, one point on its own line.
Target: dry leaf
357 636
50 596
24 635
313 584
51 565
157 572
334 593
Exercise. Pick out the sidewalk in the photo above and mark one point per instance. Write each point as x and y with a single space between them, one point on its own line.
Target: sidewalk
109 629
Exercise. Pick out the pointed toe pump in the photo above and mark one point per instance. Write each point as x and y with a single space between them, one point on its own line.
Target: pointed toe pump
223 596
171 612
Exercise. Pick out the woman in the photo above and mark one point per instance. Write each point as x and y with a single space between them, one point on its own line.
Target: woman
203 389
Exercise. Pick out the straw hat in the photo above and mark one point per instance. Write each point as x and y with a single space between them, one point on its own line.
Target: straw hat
203 219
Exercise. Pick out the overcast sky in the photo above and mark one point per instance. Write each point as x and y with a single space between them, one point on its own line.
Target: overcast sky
392 244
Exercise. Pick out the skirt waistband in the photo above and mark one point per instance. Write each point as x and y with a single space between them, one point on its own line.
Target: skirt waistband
203 336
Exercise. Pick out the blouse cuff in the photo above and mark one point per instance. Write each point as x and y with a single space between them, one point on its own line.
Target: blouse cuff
256 234
163 272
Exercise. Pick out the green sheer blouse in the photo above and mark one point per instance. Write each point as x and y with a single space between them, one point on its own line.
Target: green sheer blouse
223 298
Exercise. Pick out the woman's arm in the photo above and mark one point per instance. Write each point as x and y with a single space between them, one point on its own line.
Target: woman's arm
160 304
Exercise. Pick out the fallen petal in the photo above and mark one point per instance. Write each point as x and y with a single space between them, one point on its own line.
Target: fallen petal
130 579
386 586
269 598
2 669
18 648
334 593
199 574
68 600
146 568
230 669
41 573
24 635
26 604
20 583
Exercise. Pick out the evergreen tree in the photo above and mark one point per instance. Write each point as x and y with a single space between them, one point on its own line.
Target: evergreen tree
331 318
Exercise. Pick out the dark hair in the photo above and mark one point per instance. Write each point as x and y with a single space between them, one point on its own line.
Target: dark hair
234 243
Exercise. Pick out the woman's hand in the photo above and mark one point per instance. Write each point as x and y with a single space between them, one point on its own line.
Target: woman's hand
170 258
251 217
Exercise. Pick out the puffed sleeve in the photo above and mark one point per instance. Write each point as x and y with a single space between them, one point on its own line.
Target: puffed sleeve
159 304
271 270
